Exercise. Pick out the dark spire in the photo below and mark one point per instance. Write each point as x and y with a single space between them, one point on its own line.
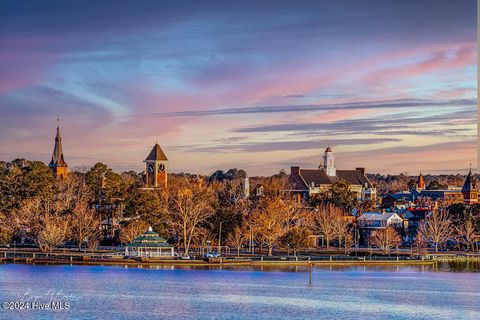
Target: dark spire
156 154
420 182
469 184
57 156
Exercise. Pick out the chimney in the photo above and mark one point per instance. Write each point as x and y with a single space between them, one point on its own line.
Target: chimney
295 171
362 170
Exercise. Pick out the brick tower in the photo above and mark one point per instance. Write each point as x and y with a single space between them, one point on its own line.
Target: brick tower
156 168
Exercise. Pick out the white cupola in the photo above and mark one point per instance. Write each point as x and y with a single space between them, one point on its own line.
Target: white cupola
329 163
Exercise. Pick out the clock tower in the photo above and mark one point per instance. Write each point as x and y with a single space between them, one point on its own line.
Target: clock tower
156 168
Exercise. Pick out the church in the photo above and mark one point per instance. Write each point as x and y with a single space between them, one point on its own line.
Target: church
57 164
468 194
307 182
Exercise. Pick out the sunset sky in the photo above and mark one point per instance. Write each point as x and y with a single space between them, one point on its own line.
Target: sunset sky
260 85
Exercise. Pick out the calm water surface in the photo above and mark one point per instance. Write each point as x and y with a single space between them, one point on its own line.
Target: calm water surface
97 292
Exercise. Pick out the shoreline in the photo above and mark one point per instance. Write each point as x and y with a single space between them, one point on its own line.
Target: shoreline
201 263
92 259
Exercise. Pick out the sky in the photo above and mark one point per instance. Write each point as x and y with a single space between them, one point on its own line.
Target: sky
256 85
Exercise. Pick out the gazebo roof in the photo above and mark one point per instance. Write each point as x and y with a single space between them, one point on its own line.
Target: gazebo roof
149 245
145 238
150 239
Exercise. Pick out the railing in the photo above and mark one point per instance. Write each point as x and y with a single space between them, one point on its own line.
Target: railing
334 258
57 256
71 257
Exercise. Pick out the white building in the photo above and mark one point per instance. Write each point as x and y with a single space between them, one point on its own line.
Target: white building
379 220
307 182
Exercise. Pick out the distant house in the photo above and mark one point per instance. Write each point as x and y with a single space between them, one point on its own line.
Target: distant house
379 220
412 219
149 245
468 194
110 227
399 198
388 201
258 190
307 182
447 197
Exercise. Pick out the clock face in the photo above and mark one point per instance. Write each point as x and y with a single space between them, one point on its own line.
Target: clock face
150 167
161 167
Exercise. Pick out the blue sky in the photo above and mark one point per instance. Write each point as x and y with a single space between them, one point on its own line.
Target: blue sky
390 84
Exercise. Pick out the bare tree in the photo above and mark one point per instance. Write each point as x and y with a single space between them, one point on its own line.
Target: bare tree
385 239
237 238
84 225
270 222
53 233
6 230
42 216
328 222
203 236
189 207
437 228
340 227
297 238
133 229
467 234
348 241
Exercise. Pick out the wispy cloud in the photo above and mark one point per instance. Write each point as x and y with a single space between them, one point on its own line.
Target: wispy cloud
238 83
281 145
394 104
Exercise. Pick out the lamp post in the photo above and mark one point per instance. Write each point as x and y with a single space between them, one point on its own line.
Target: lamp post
250 239
220 238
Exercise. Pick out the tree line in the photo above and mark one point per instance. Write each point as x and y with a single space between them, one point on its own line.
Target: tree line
191 213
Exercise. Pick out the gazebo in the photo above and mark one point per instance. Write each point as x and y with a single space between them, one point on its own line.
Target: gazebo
148 245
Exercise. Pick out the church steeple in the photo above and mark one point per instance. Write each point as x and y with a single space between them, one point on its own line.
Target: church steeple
57 163
420 183
469 189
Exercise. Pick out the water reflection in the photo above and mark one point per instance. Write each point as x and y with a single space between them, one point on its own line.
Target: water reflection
450 266
250 292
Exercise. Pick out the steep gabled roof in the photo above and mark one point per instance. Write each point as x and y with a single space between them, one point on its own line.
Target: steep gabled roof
317 176
156 154
355 177
57 156
469 184
421 182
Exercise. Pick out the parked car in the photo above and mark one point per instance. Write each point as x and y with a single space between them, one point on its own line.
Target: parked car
212 254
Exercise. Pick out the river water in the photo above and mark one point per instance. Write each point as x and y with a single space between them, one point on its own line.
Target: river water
98 292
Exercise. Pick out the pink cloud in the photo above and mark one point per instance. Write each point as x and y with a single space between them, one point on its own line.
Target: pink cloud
438 60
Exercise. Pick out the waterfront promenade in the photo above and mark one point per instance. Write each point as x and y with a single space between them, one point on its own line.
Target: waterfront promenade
109 258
